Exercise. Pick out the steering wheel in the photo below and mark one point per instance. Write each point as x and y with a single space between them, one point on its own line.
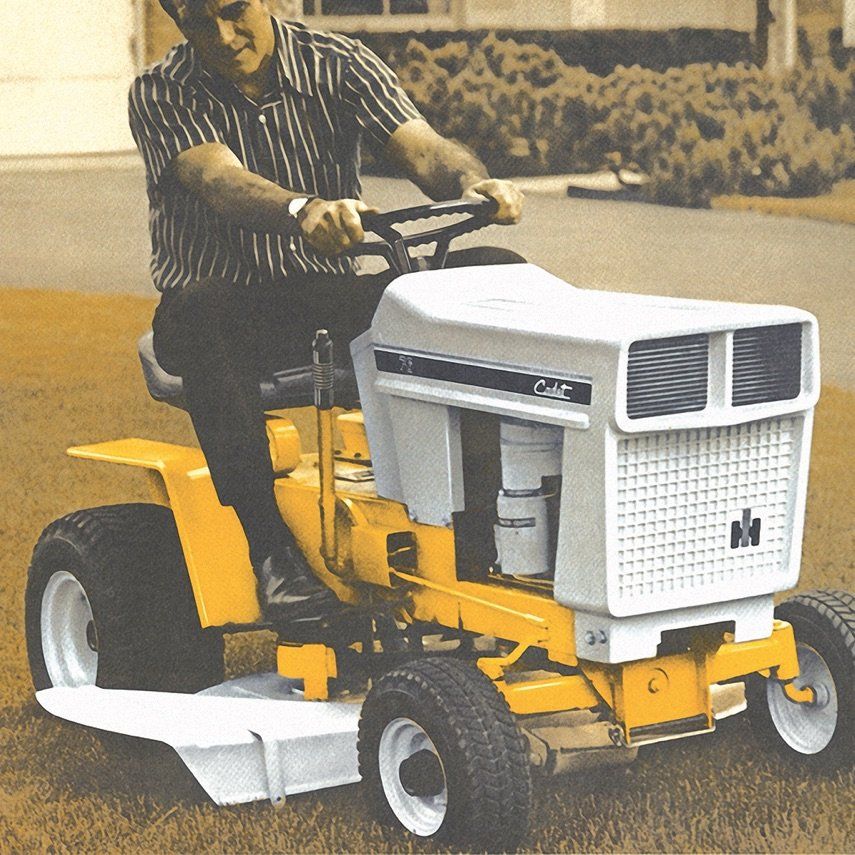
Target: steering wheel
395 246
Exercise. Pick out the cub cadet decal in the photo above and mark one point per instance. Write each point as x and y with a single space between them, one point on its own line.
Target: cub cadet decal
499 379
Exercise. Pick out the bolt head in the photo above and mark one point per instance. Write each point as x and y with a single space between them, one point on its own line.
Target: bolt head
616 736
590 637
821 696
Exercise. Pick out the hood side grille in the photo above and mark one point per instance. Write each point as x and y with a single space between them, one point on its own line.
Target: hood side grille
667 375
767 364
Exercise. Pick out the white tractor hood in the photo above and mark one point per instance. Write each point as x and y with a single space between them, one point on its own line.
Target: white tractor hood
521 312
679 419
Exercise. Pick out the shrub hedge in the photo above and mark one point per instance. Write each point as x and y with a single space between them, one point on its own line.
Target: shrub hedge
698 131
600 51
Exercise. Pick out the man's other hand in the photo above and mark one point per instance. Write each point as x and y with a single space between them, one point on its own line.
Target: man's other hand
333 227
505 193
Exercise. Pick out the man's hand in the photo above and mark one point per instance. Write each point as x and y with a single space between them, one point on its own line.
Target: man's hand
505 193
333 227
443 168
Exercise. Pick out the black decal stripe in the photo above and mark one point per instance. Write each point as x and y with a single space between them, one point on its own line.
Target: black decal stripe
499 379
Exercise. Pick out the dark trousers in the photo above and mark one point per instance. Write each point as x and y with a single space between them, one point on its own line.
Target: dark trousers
222 339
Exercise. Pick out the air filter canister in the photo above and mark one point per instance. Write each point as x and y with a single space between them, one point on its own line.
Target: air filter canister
522 534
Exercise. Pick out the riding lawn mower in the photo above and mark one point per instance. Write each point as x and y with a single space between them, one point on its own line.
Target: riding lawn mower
557 522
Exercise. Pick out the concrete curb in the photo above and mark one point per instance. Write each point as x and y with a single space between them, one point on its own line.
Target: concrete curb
63 163
604 184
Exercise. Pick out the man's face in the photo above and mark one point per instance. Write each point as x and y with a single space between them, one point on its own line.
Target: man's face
232 37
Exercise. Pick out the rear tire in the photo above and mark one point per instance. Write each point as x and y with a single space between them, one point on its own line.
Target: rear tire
821 733
441 755
109 602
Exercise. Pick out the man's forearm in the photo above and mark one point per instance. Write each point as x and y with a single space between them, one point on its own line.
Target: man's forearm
448 169
212 172
441 168
238 195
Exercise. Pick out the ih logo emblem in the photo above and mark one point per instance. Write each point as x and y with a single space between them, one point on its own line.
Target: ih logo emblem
745 531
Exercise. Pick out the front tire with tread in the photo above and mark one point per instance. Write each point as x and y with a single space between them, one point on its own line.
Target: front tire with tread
483 756
823 623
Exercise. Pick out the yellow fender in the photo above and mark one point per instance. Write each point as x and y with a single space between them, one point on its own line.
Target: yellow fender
213 541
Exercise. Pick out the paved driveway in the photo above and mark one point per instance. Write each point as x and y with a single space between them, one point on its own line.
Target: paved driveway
86 230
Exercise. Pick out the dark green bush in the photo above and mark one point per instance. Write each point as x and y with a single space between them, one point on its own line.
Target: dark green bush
697 131
600 51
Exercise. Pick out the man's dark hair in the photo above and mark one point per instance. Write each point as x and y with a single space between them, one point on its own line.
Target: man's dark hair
170 9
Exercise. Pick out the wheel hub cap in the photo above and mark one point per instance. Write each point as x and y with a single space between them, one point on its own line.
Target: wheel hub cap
806 728
413 777
421 774
68 632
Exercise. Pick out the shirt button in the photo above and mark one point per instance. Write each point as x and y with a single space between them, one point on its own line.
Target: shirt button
262 119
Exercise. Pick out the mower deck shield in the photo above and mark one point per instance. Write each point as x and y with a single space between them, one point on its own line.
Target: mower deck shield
248 739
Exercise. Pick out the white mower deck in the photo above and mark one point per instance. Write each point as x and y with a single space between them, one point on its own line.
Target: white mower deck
255 738
245 740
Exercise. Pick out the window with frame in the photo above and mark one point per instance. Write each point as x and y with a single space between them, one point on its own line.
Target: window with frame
335 8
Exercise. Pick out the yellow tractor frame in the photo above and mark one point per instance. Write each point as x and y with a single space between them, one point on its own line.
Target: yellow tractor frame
369 552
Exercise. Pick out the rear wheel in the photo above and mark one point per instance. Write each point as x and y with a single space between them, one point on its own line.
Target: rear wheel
109 602
442 756
821 732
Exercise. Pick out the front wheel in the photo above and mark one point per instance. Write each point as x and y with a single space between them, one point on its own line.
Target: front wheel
109 603
443 757
820 732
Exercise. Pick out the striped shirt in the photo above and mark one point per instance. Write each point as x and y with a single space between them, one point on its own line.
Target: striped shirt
305 135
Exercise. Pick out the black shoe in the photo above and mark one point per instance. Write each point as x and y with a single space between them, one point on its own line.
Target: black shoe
288 590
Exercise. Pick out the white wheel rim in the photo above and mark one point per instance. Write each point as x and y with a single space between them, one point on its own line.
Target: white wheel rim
69 645
419 814
806 728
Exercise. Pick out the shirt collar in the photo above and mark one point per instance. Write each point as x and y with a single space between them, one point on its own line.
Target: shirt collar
287 49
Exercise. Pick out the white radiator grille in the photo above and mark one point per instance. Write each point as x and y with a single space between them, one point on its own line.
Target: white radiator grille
678 496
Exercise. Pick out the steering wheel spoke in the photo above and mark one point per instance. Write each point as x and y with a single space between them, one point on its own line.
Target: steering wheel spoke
395 247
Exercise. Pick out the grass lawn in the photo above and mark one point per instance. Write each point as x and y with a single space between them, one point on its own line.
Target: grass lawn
836 207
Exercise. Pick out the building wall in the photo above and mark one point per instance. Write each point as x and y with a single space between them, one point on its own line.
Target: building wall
509 14
611 14
849 23
64 77
658 15
782 50
571 14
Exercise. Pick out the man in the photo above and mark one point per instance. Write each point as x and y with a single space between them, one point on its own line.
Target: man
250 132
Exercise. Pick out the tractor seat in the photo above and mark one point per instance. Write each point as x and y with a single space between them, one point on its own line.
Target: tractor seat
283 390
